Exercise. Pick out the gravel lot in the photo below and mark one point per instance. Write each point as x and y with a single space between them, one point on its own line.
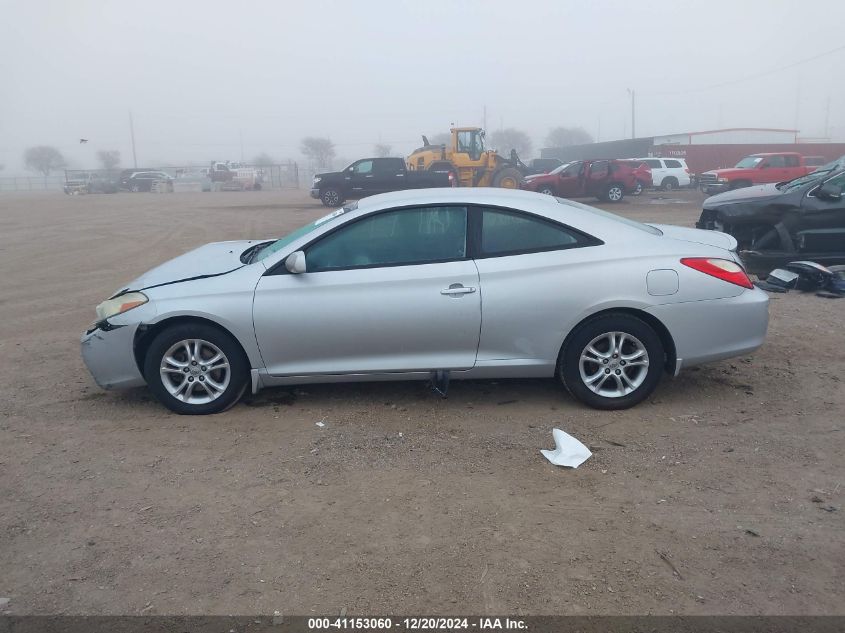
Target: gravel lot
721 495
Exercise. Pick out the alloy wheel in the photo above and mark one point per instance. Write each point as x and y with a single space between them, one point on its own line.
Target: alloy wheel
195 371
614 194
614 364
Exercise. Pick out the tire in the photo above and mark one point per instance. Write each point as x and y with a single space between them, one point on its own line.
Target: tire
546 190
638 189
168 358
135 188
507 178
633 383
331 197
614 192
669 183
256 186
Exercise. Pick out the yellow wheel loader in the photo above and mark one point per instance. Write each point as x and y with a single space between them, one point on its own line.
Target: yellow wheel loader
466 157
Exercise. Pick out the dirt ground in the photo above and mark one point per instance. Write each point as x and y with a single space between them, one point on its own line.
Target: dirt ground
723 494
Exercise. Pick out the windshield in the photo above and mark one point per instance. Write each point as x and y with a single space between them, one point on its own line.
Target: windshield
279 244
612 216
559 169
749 162
797 183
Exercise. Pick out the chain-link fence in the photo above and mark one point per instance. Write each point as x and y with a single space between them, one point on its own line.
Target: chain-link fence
276 176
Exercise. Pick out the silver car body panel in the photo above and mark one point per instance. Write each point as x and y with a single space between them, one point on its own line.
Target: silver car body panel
393 323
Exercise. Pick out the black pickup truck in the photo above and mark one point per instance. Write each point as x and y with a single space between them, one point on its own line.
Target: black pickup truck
370 176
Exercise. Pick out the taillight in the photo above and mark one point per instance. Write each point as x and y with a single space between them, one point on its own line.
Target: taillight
453 181
723 269
688 171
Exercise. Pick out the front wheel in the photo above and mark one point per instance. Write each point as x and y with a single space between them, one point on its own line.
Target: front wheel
331 197
135 188
638 189
546 190
612 362
196 369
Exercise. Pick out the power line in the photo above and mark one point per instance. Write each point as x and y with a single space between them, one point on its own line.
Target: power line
764 73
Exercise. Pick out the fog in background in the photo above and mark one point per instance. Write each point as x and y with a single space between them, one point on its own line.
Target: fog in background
224 80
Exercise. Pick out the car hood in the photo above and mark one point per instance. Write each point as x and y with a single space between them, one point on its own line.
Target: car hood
728 171
698 236
209 260
757 192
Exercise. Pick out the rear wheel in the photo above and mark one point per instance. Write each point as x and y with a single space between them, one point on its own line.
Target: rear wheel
331 197
612 362
196 369
507 178
669 184
614 192
638 189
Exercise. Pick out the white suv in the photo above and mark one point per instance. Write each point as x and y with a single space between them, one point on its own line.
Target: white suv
668 173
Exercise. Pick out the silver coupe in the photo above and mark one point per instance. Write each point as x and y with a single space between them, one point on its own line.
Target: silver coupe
439 283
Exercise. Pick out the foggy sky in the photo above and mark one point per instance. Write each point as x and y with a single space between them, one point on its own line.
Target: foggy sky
203 79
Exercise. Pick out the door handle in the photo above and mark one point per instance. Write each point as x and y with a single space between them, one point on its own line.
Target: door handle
457 289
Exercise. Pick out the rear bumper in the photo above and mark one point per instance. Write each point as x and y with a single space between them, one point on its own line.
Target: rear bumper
108 355
706 331
315 193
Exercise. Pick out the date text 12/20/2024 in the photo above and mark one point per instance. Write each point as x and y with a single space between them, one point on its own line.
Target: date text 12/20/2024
416 624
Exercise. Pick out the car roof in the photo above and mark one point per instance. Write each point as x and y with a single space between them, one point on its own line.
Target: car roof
467 195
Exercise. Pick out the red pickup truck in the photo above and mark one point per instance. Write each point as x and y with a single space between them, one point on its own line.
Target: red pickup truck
757 169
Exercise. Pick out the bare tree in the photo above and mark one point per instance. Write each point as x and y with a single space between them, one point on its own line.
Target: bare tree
564 136
382 149
509 139
109 158
43 159
318 149
263 160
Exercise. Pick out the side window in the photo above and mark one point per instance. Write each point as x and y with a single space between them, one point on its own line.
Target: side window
364 167
406 236
599 169
654 163
573 170
387 165
838 181
775 161
673 164
511 232
791 161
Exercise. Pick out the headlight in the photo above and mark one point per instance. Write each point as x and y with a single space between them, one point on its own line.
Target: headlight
722 180
316 179
121 304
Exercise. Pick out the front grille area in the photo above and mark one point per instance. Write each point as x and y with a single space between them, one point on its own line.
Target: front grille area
707 178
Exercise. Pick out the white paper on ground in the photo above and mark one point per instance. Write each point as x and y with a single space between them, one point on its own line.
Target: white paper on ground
568 451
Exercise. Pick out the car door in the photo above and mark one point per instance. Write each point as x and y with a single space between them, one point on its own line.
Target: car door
528 268
597 177
570 181
361 179
774 169
818 212
388 174
389 292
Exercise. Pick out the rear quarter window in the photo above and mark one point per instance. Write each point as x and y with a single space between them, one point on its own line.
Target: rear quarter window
673 164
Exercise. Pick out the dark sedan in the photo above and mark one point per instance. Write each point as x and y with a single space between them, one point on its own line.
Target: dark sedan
142 180
778 223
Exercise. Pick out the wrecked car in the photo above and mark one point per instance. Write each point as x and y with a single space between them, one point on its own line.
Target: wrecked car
803 219
391 289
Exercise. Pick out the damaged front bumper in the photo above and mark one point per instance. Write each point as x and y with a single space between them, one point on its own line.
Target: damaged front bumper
108 352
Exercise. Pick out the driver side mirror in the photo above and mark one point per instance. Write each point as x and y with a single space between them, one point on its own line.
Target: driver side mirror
830 191
295 263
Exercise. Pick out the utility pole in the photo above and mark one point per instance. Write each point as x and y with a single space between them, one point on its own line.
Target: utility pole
633 113
241 135
132 136
484 120
827 119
